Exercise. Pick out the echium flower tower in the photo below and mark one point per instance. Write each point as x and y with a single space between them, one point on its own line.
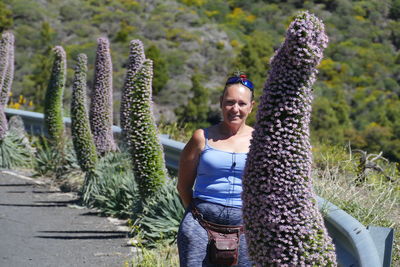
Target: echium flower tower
281 217
101 105
53 115
136 58
6 66
146 149
80 125
6 76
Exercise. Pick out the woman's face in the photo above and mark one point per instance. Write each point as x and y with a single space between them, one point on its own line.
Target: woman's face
236 104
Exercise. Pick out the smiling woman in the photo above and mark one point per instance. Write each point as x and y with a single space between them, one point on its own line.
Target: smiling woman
210 183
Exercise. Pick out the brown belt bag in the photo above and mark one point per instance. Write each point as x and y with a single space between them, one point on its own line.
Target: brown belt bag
223 240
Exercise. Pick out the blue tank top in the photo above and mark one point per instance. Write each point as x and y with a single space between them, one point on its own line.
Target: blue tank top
219 176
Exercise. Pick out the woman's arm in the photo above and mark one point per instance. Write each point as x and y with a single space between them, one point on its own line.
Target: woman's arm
188 166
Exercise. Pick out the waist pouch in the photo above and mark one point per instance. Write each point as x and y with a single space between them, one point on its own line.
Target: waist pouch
223 240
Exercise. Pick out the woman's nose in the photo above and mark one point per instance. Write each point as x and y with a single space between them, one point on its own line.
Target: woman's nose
235 107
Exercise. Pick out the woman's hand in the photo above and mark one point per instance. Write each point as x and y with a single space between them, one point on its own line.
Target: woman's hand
188 166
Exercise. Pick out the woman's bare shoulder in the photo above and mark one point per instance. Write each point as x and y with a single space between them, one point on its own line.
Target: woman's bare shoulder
198 135
197 140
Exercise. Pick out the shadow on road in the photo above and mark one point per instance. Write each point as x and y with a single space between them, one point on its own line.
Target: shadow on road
43 204
12 185
46 192
85 232
66 237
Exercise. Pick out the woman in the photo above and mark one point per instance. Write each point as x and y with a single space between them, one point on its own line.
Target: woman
213 161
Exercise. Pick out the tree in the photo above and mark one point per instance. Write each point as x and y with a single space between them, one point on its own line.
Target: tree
41 65
253 59
195 112
161 76
6 17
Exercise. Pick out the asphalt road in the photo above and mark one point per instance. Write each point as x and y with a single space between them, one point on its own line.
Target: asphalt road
43 227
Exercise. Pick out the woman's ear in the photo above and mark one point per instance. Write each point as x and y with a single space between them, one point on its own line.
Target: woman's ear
220 101
252 105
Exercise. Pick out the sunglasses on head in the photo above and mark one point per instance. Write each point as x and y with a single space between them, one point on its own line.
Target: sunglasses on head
240 79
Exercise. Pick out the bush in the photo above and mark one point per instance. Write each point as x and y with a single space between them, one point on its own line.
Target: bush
160 218
14 153
112 187
51 162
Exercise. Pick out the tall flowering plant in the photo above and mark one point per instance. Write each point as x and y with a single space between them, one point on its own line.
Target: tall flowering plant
6 66
281 217
146 150
136 58
3 124
6 76
101 103
80 126
53 115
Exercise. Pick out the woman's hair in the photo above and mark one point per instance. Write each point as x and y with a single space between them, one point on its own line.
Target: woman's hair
240 79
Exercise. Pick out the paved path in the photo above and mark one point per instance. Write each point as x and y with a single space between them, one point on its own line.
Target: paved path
43 227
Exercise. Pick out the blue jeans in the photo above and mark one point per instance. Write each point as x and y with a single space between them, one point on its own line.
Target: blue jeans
193 239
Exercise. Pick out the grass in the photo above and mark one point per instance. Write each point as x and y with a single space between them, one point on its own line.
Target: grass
176 131
161 256
15 152
373 202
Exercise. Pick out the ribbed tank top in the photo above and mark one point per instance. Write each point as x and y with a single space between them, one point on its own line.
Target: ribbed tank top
219 176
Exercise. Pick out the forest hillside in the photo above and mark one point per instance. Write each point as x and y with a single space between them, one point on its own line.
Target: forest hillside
196 44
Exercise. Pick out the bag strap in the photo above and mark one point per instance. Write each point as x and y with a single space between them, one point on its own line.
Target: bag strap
226 229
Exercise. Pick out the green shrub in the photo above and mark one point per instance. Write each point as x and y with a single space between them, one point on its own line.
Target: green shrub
112 187
14 153
51 162
160 218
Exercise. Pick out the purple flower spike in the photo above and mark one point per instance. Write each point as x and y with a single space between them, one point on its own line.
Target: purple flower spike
3 123
80 126
283 224
101 103
146 149
6 66
53 111
136 59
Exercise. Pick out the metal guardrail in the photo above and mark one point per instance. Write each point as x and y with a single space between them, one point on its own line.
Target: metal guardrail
355 244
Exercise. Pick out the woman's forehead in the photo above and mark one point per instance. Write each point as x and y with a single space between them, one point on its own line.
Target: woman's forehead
235 90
